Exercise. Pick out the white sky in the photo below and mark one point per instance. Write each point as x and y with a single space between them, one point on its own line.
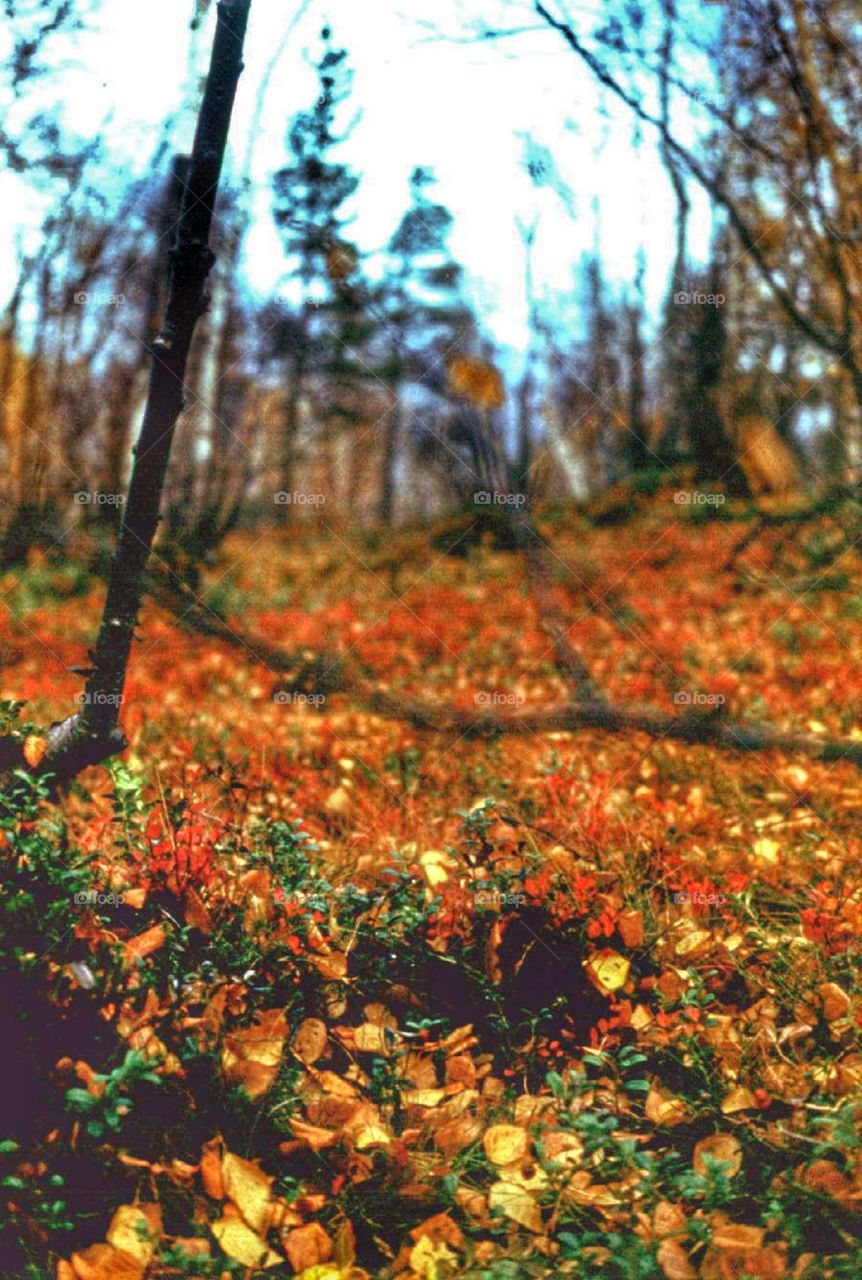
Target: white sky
458 108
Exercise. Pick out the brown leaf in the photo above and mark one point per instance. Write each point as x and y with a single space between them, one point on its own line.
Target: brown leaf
674 1261
834 1000
197 915
315 1138
104 1262
477 381
144 945
631 928
251 1058
720 1146
307 1246
310 1040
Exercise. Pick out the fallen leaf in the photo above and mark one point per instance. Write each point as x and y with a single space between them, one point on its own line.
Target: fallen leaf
515 1203
674 1261
136 1229
104 1262
505 1143
608 970
662 1107
34 749
251 1057
720 1146
432 1260
739 1099
310 1040
240 1243
307 1246
249 1188
144 945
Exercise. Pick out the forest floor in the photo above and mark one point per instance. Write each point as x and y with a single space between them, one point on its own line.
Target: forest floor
297 988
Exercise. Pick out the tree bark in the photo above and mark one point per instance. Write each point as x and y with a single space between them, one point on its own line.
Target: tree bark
94 734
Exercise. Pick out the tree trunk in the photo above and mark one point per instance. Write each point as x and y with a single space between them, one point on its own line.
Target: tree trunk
93 733
391 441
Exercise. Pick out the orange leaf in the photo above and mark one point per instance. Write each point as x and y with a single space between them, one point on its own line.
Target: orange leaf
34 749
307 1246
144 945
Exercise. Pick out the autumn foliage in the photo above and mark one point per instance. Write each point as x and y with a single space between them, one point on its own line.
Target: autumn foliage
300 990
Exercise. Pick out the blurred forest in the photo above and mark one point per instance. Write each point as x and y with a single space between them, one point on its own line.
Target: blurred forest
451 547
334 399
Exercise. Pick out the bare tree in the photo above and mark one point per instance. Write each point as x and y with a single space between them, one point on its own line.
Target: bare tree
93 733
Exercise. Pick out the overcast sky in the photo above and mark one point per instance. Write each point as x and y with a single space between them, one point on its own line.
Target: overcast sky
461 108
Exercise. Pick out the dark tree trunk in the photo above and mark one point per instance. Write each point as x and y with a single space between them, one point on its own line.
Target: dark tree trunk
93 733
638 453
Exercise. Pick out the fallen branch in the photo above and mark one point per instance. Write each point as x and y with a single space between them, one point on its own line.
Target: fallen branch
584 713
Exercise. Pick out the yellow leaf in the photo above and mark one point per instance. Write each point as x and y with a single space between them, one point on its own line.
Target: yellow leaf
515 1203
240 1243
696 940
436 865
505 1143
739 1099
608 970
371 1135
663 1108
370 1038
250 1189
766 849
425 1097
135 1229
432 1261
338 803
